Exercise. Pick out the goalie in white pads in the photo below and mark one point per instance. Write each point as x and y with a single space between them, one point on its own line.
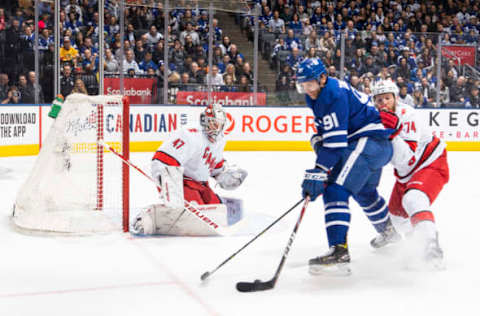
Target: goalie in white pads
421 169
182 167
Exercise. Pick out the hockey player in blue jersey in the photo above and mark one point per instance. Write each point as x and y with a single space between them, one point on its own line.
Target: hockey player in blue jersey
351 146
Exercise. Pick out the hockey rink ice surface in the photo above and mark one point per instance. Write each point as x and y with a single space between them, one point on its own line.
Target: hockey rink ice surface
118 274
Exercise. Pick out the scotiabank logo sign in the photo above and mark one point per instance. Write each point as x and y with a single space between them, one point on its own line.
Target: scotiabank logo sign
223 98
462 54
139 90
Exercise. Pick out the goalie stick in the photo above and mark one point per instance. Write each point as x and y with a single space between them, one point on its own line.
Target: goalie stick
188 206
258 285
204 276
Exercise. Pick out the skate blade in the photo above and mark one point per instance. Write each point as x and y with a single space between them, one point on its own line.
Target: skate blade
436 265
387 244
138 234
340 269
420 265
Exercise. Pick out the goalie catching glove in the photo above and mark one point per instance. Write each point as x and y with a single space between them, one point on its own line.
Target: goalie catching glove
231 177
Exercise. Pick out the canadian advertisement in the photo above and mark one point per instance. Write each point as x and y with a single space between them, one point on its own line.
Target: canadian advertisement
22 128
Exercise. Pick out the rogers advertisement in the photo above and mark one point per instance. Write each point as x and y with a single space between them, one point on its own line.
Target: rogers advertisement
223 98
466 54
286 123
139 90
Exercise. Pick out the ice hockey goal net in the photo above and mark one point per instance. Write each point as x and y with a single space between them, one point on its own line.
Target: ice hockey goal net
76 185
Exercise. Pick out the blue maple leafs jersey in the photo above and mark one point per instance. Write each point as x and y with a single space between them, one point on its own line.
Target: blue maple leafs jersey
342 115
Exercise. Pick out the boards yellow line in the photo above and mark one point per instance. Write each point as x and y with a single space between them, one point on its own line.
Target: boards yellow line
29 150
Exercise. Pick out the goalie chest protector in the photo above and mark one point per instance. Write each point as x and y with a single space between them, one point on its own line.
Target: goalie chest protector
194 152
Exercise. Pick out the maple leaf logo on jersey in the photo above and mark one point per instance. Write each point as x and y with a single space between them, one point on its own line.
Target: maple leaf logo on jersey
230 124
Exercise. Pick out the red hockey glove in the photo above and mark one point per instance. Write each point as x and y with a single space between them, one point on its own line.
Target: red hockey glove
391 120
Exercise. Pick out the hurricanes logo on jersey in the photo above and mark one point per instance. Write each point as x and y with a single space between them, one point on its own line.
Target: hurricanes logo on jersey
209 161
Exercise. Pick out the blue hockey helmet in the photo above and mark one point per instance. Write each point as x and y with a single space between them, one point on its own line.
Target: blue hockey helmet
309 69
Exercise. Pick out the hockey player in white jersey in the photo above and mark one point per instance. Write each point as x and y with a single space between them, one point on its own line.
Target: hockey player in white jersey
183 165
421 170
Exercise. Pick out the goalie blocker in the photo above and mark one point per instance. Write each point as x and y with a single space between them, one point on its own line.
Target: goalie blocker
182 167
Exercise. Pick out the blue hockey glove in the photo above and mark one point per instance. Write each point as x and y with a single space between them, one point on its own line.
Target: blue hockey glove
314 183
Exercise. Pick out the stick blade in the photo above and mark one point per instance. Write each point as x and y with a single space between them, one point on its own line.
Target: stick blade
204 276
255 286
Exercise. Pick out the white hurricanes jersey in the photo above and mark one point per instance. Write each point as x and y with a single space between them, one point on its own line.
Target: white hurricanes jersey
192 150
414 148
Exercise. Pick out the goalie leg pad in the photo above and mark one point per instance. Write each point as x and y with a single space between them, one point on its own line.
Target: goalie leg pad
156 219
144 223
170 179
195 220
215 212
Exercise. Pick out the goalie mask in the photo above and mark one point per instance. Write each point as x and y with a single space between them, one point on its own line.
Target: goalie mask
212 120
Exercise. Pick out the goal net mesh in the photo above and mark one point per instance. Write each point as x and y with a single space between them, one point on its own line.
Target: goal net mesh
76 185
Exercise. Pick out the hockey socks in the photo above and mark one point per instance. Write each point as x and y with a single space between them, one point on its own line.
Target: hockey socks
377 213
337 214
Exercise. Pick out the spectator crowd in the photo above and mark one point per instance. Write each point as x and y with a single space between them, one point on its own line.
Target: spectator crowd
143 42
382 39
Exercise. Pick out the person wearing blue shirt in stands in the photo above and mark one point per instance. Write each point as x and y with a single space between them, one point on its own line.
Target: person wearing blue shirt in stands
351 147
295 24
147 62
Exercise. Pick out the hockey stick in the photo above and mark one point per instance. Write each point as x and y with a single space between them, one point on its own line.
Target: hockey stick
204 276
188 206
102 143
258 285
176 220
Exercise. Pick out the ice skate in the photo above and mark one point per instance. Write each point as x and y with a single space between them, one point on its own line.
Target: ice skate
335 262
388 236
434 254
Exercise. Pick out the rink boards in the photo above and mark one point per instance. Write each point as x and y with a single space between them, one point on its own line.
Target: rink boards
249 128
